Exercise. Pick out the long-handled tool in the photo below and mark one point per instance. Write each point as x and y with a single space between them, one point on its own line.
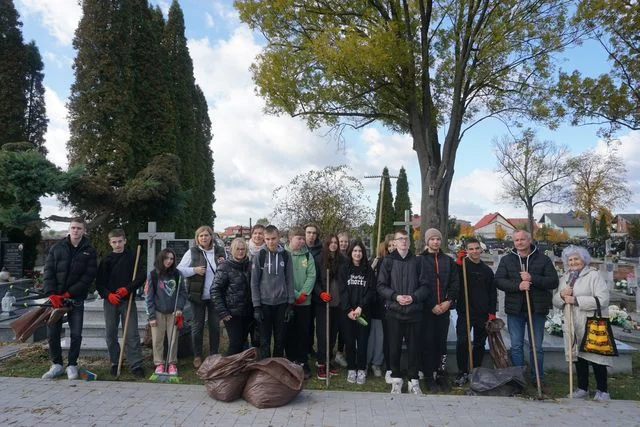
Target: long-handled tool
532 337
126 319
570 319
466 307
328 351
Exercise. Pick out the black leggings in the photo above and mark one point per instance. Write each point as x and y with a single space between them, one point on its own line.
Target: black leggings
600 372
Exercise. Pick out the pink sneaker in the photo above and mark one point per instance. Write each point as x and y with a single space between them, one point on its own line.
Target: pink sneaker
159 369
173 370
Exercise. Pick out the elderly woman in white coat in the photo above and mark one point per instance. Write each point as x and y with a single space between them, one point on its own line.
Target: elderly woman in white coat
578 290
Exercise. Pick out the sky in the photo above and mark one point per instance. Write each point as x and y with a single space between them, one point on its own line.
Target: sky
254 152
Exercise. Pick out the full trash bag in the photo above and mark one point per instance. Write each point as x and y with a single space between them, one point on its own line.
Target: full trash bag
497 382
225 376
273 382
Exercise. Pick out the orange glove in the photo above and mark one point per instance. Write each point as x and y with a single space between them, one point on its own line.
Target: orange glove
301 298
114 299
56 300
179 321
122 292
325 296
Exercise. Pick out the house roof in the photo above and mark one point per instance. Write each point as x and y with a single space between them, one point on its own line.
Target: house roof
562 219
488 219
629 217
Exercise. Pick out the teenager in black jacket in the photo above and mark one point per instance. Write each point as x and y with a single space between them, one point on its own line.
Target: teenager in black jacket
356 280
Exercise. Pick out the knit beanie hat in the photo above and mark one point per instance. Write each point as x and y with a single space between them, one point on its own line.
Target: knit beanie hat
432 232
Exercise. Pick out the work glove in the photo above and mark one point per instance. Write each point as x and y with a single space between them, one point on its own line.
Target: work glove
301 298
325 296
258 314
179 320
57 301
288 314
122 292
114 299
492 316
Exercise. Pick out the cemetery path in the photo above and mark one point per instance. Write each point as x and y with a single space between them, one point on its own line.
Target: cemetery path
25 401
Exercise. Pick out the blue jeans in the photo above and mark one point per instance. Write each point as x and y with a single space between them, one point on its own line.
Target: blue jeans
517 323
75 318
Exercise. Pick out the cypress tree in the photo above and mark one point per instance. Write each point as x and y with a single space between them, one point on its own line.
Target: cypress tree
388 212
403 202
36 113
13 103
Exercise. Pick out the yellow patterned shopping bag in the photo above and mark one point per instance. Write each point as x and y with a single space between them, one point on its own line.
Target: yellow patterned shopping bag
598 336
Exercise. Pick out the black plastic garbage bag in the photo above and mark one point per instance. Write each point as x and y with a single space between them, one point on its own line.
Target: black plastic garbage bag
497 382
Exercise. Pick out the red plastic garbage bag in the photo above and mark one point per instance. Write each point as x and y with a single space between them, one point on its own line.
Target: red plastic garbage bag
224 376
273 382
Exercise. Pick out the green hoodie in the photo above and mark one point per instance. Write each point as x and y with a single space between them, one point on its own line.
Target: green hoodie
304 273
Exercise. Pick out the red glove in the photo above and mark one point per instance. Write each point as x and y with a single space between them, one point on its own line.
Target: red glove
301 298
492 316
122 292
56 300
325 296
114 299
179 321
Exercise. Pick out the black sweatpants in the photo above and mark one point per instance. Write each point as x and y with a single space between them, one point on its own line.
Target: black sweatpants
273 324
434 334
297 341
356 338
600 372
321 330
410 331
479 340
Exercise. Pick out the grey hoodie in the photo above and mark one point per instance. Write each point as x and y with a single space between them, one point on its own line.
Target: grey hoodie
161 296
272 282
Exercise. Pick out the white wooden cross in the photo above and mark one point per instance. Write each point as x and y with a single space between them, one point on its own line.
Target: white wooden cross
151 235
407 222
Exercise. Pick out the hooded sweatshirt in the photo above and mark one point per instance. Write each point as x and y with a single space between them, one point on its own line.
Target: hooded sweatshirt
357 287
161 294
272 278
304 273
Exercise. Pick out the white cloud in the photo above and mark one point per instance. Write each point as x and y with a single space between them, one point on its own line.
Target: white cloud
208 20
60 61
58 130
59 17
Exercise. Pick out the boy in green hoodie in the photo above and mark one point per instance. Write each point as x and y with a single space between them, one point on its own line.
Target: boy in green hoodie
304 279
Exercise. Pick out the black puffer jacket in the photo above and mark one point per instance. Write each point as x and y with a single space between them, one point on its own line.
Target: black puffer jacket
400 276
69 269
544 279
446 270
231 290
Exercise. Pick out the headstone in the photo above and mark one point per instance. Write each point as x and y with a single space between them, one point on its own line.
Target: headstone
179 246
13 258
151 236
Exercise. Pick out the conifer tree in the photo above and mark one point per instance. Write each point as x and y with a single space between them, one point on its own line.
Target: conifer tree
388 212
402 202
36 120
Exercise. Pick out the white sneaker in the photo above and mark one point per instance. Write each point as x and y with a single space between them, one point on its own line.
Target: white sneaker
340 360
54 371
377 372
362 377
72 372
387 377
414 387
351 376
601 395
396 385
581 394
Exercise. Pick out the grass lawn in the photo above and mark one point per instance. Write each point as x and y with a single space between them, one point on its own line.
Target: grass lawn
33 361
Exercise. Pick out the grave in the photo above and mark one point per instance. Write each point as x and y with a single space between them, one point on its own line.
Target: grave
151 235
12 257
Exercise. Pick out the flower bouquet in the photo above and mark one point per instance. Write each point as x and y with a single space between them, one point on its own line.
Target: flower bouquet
553 324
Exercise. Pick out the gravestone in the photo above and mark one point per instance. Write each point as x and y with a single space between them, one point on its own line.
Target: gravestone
179 246
13 258
151 236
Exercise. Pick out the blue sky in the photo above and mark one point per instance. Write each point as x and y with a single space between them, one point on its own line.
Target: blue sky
254 153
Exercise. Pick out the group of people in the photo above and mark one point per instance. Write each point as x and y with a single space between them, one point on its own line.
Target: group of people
279 297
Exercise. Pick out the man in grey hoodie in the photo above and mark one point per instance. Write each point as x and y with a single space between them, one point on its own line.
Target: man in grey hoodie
272 293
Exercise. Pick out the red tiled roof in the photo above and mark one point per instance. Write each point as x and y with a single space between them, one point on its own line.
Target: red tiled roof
487 219
522 221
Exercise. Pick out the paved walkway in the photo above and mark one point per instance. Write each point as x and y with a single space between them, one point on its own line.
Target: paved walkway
27 401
